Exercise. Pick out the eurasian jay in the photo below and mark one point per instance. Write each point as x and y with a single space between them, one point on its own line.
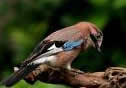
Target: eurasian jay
59 49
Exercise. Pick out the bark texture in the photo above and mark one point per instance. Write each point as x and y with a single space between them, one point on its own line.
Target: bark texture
113 77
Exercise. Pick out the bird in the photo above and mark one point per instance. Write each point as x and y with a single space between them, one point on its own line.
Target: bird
59 49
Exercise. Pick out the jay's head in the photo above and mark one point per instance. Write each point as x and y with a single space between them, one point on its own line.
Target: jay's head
95 36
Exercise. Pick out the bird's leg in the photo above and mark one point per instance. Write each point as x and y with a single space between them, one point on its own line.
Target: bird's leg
77 71
74 70
54 68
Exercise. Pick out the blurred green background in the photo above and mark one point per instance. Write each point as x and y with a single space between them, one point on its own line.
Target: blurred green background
24 23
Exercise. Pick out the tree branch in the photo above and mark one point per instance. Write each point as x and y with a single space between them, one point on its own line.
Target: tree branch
113 77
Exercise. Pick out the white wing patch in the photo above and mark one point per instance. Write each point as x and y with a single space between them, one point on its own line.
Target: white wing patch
52 50
52 47
48 56
42 60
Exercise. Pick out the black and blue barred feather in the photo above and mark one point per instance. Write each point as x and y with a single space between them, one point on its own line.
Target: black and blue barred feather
72 44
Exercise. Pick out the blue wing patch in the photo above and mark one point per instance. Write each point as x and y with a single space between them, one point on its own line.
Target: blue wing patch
72 44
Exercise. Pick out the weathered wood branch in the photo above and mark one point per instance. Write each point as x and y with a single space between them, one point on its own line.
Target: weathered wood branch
113 77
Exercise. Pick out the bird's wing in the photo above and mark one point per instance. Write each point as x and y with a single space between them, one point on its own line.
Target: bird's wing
44 48
48 48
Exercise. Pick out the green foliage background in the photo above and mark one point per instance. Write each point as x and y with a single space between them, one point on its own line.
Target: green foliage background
24 23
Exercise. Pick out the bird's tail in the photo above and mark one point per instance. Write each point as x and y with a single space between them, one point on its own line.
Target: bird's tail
18 75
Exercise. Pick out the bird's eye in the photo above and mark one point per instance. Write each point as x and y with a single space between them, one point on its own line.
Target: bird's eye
98 36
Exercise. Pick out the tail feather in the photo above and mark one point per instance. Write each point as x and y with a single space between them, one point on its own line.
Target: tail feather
17 76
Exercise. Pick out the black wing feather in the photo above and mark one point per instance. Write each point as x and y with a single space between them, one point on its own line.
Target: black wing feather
41 48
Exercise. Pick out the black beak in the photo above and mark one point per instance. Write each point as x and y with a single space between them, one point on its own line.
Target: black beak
98 45
96 42
98 49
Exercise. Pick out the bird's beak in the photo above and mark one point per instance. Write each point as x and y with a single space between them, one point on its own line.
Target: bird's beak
98 46
98 49
97 42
